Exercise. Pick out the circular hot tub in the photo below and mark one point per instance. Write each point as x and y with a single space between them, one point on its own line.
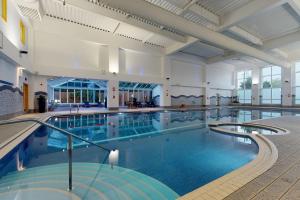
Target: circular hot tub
250 129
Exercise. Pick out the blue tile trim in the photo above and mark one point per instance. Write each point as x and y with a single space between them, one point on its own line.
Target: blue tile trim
10 88
176 97
6 83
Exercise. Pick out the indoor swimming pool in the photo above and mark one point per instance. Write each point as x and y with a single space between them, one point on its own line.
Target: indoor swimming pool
174 150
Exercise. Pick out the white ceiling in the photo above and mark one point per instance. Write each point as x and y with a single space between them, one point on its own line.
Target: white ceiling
56 9
259 26
271 24
221 7
245 62
203 50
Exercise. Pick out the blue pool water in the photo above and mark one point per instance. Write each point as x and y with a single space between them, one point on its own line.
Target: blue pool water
175 148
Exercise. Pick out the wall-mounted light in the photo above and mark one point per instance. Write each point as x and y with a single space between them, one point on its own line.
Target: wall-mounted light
21 68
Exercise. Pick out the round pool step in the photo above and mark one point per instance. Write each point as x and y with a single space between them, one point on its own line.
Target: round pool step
90 181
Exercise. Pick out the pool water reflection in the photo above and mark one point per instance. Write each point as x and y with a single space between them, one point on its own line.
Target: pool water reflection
181 158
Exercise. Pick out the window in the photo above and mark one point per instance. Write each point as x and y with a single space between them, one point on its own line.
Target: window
4 10
56 95
244 85
22 33
271 85
79 91
70 95
64 96
297 82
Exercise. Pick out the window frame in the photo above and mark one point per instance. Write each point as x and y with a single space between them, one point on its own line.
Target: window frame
271 88
243 80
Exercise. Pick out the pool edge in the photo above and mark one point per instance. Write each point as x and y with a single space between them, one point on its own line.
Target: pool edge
233 181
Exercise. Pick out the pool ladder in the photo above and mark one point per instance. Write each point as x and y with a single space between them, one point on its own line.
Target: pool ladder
69 146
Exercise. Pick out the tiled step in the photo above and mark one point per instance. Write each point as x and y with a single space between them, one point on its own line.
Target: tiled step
90 181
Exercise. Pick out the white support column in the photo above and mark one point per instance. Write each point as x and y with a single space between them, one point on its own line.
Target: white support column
206 88
113 94
165 96
113 58
255 86
286 88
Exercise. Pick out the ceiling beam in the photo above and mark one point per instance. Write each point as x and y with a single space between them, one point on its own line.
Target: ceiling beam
148 37
246 35
228 56
179 46
186 7
161 16
251 9
71 30
206 14
295 4
281 41
214 19
125 18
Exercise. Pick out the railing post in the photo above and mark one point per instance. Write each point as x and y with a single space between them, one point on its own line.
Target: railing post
70 160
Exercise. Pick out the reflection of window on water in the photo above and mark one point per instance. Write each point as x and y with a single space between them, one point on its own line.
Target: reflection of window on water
244 116
266 115
244 140
271 85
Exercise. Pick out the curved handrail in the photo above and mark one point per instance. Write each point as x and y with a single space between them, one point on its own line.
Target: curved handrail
5 122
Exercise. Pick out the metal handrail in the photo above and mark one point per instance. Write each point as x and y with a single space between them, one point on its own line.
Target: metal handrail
5 122
70 135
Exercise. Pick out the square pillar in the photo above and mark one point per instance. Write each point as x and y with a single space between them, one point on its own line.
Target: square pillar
165 96
113 94
206 95
286 88
165 93
256 86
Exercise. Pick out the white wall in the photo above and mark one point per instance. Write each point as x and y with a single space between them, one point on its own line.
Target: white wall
136 63
8 71
61 52
10 28
186 78
221 79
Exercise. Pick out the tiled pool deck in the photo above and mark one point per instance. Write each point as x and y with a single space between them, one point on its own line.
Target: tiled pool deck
281 181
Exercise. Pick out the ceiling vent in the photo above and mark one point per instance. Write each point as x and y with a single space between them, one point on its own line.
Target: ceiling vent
31 9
